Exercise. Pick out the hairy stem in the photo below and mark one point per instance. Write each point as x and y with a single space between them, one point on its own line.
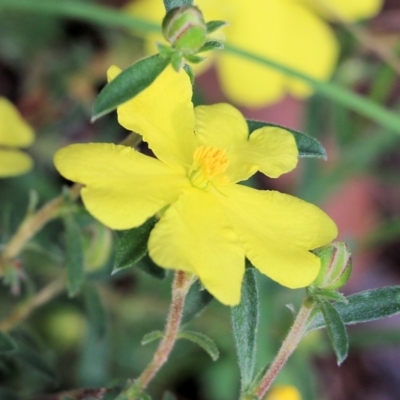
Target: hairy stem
180 288
290 343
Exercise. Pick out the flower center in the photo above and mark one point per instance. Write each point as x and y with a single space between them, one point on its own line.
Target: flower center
208 163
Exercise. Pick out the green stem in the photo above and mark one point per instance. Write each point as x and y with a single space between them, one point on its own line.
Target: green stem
180 288
109 17
291 342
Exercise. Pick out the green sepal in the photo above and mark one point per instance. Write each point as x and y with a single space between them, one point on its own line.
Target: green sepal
151 337
196 300
336 330
245 319
171 4
74 255
7 343
128 84
212 45
177 61
365 306
95 310
132 245
307 145
332 295
203 341
193 58
212 26
189 70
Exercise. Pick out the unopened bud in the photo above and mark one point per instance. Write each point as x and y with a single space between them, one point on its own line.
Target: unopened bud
335 266
97 246
184 27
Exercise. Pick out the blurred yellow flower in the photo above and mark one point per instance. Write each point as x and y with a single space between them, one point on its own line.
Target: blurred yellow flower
283 393
207 223
292 32
14 133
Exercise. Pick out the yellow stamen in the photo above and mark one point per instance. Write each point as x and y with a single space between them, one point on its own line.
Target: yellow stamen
208 163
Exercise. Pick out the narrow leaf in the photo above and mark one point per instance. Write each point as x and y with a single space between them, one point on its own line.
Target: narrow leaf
7 343
151 337
365 306
132 246
212 45
214 25
189 70
203 341
74 257
170 4
147 265
196 300
336 330
332 295
128 84
245 318
307 145
95 310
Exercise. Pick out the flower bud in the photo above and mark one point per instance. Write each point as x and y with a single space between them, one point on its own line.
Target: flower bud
335 266
184 27
97 246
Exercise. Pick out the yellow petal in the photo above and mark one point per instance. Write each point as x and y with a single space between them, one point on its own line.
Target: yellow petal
194 235
277 231
14 131
14 162
351 10
163 115
280 30
284 393
273 151
123 187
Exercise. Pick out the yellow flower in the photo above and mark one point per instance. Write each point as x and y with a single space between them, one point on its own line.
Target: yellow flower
208 223
283 393
292 32
14 133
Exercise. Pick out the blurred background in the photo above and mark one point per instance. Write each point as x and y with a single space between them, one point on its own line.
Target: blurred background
51 68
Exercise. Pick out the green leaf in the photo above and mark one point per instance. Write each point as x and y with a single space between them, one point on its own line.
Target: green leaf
332 295
212 45
132 246
245 318
151 337
128 84
38 363
365 306
203 341
74 256
193 58
196 300
307 145
336 330
146 264
212 26
7 343
95 310
170 4
189 70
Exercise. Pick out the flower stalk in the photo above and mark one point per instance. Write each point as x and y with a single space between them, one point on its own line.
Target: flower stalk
290 343
180 288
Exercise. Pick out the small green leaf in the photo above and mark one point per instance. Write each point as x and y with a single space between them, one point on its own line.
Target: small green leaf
189 70
170 4
212 26
146 264
332 295
132 246
151 337
74 256
365 306
336 330
7 343
307 145
196 300
212 45
203 341
245 318
95 310
38 363
193 58
128 84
